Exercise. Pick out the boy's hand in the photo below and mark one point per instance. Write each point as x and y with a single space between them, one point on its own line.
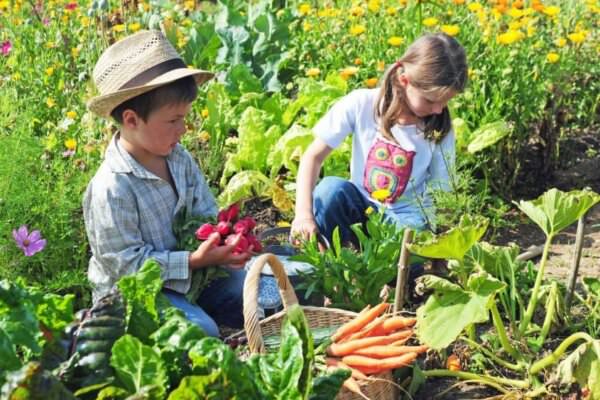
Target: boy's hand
210 253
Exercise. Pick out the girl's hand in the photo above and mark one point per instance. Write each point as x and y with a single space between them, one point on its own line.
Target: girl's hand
210 253
303 228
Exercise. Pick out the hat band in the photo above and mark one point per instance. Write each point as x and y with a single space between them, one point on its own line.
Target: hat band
154 72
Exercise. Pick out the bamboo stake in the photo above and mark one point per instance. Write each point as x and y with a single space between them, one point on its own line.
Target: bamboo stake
402 277
575 263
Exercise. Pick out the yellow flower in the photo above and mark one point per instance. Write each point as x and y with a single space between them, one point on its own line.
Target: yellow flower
552 11
391 11
119 28
304 9
369 210
431 21
552 57
189 5
357 61
381 194
50 102
84 21
204 113
380 66
509 37
373 5
4 5
71 114
283 224
458 2
357 30
50 45
357 11
531 30
204 136
450 30
134 27
474 7
395 41
75 52
515 13
306 26
577 37
16 76
71 144
348 72
313 72
371 82
49 71
561 42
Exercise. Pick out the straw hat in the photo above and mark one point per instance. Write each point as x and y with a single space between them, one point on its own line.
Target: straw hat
136 65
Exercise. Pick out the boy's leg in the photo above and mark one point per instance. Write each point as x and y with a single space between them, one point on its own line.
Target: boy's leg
223 299
192 312
337 202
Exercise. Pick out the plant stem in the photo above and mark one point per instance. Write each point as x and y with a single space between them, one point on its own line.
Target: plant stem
558 352
520 384
499 325
550 312
495 358
536 288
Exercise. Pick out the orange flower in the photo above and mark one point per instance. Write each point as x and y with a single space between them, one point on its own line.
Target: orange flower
453 363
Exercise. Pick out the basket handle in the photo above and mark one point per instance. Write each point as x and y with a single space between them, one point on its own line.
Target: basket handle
288 297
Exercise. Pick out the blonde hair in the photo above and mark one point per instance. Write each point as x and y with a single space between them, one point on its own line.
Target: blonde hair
434 63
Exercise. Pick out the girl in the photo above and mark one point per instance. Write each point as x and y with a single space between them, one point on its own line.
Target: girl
403 144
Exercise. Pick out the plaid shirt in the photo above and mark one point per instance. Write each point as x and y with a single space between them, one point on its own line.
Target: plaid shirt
129 214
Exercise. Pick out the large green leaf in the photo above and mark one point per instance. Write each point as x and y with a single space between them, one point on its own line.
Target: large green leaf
454 308
289 148
555 210
488 135
137 366
244 185
452 244
583 366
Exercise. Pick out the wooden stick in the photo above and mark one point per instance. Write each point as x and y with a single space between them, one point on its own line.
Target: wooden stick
575 263
402 277
531 252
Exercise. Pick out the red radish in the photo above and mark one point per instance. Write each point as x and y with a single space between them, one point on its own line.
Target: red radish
242 245
244 225
204 231
224 228
254 242
229 214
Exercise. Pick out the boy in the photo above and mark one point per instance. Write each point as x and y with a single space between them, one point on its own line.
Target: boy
147 177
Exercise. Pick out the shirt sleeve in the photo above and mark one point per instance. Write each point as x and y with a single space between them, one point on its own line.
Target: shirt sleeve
441 169
340 120
112 219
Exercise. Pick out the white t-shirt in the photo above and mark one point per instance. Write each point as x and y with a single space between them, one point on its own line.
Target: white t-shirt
419 163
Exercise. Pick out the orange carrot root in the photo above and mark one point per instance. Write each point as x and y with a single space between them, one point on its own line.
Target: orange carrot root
359 322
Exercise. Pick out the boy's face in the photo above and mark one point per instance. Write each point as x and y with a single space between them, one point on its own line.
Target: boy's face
159 135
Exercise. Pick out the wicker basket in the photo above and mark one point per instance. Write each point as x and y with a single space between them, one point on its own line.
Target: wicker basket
318 317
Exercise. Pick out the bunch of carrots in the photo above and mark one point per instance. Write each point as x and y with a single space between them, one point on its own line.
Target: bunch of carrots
372 343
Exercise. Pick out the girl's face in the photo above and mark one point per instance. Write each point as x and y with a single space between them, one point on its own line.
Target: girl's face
423 104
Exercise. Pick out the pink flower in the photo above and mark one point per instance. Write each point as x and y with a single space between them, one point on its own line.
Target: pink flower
229 214
71 6
30 243
6 48
205 231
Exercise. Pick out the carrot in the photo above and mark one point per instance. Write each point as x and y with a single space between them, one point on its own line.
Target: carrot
394 323
352 386
389 351
345 348
373 326
337 363
401 341
381 364
359 321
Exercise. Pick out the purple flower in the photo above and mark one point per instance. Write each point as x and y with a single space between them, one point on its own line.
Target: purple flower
30 243
5 48
68 153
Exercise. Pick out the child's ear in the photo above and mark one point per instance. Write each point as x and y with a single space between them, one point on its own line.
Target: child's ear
130 118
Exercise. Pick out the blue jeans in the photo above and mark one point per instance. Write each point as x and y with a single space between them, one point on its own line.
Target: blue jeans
337 202
220 303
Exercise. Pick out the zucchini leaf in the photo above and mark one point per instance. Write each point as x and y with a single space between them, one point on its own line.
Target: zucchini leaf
583 366
487 135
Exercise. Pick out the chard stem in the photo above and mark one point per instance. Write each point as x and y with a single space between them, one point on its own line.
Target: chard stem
536 288
499 325
553 357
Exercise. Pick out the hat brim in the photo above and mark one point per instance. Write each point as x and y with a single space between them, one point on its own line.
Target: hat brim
105 104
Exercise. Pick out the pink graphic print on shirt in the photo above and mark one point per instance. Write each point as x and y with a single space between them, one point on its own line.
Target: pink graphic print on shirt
388 167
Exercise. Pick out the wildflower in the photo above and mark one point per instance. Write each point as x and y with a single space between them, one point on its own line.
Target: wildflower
561 42
357 30
431 21
50 102
371 82
577 37
68 153
552 57
391 11
450 30
134 27
304 9
458 2
373 5
306 26
551 11
189 5
357 61
204 113
357 11
71 114
380 66
75 52
381 194
49 71
4 4
71 144
204 136
313 72
369 210
84 21
348 72
395 41
474 7
119 28
16 76
71 6
30 243
6 48
509 37
283 224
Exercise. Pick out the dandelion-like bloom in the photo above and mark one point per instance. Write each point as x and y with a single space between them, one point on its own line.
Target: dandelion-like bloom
391 11
369 210
71 144
49 71
561 42
6 48
357 11
313 72
134 27
577 37
474 7
30 243
71 114
431 21
450 30
552 57
380 66
50 102
348 72
357 30
395 41
304 9
551 11
204 113
119 28
510 37
371 82
381 194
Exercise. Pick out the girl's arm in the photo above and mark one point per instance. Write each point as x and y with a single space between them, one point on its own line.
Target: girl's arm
308 172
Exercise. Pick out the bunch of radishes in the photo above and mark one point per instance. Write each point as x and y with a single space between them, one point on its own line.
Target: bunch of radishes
229 226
